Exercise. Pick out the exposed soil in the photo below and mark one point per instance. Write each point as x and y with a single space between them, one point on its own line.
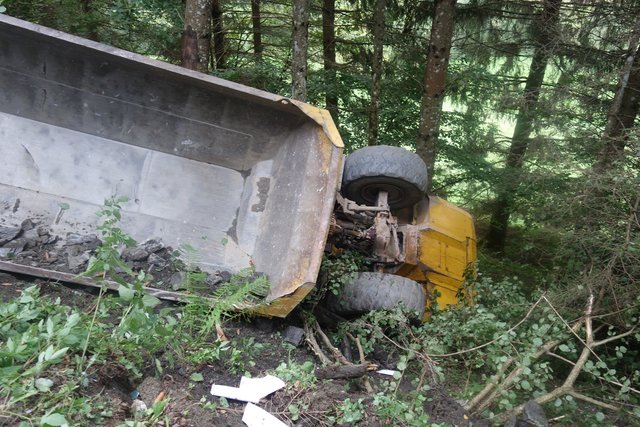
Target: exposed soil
187 399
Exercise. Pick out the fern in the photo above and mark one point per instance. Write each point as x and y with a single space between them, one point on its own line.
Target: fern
242 291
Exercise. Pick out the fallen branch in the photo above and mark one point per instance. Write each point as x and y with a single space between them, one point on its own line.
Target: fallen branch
567 388
327 342
367 384
344 371
313 344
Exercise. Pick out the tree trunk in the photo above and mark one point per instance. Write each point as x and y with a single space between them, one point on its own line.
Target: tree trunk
624 108
435 75
257 29
545 37
376 71
197 19
329 56
300 49
190 49
219 47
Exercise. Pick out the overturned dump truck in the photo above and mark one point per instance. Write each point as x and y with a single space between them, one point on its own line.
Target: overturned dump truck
246 177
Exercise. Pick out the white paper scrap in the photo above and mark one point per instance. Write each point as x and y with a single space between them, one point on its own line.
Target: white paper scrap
234 393
262 386
250 390
386 372
256 417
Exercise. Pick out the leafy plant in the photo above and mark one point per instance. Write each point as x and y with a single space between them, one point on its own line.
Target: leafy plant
202 315
350 412
298 375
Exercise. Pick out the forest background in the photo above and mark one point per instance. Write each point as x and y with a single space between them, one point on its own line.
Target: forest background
524 112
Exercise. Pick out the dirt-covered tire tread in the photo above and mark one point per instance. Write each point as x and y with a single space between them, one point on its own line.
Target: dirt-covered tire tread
378 291
394 169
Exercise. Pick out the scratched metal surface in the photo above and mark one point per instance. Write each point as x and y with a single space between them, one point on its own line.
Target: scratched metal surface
246 177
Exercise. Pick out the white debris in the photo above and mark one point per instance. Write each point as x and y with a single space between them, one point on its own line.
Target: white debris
386 372
250 390
256 417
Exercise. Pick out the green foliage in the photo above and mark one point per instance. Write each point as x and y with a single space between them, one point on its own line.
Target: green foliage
335 272
141 325
243 290
350 412
341 269
298 375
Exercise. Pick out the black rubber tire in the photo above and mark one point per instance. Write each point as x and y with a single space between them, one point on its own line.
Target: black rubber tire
369 170
378 291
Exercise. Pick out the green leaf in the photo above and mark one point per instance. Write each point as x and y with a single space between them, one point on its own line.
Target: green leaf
126 293
599 416
150 301
54 420
525 385
196 377
564 348
44 384
58 355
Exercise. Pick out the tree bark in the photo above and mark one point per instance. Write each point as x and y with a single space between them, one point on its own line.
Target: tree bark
220 50
435 76
190 49
257 29
546 36
197 19
300 49
329 57
624 108
376 71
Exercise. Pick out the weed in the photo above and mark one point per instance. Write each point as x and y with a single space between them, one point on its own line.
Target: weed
297 375
350 412
335 272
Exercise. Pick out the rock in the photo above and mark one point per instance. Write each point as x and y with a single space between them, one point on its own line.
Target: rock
533 414
91 240
49 257
153 245
16 246
217 277
31 234
135 254
28 254
138 407
28 224
157 261
6 252
77 262
7 234
43 230
178 280
293 335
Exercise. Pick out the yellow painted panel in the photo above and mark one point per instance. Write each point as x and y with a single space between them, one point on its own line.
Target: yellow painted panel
446 287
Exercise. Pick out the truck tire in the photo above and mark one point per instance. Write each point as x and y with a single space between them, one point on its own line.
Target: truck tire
378 291
369 170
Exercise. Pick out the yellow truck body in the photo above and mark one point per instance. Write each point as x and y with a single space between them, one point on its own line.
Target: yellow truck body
247 177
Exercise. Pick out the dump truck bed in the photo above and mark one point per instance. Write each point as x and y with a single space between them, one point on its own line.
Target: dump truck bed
246 177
